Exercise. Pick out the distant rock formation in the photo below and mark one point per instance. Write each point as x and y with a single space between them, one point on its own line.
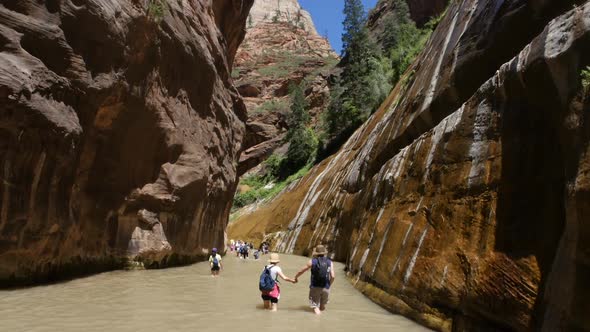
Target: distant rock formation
463 202
273 56
274 11
120 131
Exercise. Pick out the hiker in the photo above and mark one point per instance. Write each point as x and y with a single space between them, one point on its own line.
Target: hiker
256 254
215 262
244 251
269 284
322 277
238 249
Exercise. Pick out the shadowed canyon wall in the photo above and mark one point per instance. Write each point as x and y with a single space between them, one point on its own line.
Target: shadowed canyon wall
463 202
120 131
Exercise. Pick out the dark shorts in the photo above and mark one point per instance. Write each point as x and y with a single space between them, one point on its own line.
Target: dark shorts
215 268
269 298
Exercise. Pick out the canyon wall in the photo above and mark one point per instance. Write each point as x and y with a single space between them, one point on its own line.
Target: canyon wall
461 202
120 131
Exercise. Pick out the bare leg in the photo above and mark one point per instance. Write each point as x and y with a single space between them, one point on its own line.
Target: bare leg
322 307
266 304
274 307
317 311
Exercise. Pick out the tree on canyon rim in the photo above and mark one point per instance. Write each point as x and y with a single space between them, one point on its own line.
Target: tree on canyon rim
402 40
363 84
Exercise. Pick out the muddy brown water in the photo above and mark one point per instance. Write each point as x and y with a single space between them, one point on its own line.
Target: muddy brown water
189 299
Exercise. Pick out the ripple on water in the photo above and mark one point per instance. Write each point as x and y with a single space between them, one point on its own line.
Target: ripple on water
188 299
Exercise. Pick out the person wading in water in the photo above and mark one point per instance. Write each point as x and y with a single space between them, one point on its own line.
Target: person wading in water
322 277
269 285
215 262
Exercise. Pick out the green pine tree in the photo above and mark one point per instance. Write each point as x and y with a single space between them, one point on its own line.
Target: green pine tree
299 116
354 21
302 141
364 81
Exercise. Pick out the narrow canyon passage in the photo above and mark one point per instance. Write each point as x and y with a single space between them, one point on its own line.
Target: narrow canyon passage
189 299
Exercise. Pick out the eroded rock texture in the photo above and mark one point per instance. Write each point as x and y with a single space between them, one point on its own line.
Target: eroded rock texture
275 55
119 132
463 202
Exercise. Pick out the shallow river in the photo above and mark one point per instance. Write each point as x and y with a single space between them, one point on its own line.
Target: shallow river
189 299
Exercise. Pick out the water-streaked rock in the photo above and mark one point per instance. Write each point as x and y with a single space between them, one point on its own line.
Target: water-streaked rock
120 131
460 202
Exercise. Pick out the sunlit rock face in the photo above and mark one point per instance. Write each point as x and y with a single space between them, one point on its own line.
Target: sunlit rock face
463 202
120 131
276 54
273 11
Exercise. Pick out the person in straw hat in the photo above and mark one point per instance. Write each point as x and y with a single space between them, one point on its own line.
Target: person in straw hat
322 277
271 298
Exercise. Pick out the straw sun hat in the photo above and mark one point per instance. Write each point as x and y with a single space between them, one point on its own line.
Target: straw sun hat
319 250
274 258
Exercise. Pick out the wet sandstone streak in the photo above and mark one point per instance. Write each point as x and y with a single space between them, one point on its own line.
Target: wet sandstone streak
120 131
461 202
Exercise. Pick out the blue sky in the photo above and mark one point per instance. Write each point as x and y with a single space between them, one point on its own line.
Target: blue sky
327 17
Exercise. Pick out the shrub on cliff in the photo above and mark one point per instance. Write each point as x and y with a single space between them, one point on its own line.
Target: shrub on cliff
302 150
299 117
156 10
585 77
262 189
402 40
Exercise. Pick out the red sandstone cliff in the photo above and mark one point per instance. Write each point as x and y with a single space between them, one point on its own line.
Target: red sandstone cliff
281 48
119 132
463 202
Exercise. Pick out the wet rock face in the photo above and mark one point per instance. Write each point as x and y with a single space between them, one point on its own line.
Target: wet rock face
119 132
462 202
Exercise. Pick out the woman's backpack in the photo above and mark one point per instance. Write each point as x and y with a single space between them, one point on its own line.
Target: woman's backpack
267 283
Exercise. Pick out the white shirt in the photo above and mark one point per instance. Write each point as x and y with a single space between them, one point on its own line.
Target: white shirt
274 271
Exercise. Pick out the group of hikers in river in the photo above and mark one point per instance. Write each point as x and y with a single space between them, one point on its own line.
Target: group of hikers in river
322 277
242 249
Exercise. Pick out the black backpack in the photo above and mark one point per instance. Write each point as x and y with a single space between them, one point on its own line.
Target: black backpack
320 272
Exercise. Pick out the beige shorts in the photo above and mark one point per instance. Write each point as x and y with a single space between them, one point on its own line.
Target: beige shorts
318 297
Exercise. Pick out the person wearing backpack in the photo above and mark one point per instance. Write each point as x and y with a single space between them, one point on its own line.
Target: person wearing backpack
322 277
269 284
244 251
215 262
